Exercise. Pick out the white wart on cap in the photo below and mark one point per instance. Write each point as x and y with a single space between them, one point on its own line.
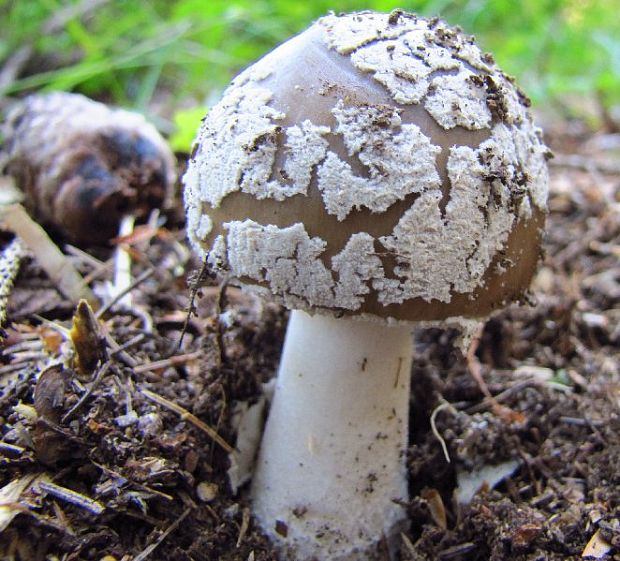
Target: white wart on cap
377 165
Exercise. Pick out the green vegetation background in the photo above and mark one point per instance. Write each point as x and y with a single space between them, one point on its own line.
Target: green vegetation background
173 57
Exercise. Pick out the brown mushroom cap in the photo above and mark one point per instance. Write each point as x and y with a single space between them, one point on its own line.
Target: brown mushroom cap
373 165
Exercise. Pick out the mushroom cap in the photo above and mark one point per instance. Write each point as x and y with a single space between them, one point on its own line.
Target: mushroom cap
376 164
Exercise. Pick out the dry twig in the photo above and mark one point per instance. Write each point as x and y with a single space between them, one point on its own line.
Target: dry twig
166 362
72 497
139 280
98 377
473 365
150 548
59 268
186 415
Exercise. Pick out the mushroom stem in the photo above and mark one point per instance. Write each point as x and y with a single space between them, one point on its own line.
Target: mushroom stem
332 458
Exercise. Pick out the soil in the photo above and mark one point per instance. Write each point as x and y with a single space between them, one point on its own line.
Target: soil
116 458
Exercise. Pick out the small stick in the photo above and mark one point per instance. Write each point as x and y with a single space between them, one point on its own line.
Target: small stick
86 258
57 266
72 497
186 415
11 449
473 364
245 525
15 365
456 550
98 377
127 344
118 352
202 275
99 268
132 483
149 549
164 363
139 280
410 547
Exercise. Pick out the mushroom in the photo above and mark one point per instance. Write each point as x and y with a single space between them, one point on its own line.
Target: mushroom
83 165
374 171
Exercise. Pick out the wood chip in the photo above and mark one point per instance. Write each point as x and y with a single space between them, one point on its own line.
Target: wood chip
597 547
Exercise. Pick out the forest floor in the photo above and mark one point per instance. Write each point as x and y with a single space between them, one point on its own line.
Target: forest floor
123 465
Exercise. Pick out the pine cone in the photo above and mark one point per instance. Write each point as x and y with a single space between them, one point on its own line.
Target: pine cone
83 165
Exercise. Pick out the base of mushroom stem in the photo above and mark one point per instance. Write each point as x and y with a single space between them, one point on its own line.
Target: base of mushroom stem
331 470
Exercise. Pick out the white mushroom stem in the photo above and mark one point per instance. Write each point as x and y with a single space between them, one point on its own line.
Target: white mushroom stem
332 459
122 265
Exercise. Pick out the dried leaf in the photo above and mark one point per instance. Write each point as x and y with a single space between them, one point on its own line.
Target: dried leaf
9 495
50 445
523 535
12 494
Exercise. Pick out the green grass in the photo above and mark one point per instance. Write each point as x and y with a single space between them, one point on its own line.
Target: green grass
181 53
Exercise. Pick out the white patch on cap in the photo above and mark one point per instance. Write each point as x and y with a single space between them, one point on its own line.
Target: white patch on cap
238 143
435 56
347 33
236 146
456 101
205 225
217 256
519 154
406 55
356 264
255 73
530 150
414 244
404 75
288 261
403 90
462 46
437 255
194 212
304 149
400 160
515 112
